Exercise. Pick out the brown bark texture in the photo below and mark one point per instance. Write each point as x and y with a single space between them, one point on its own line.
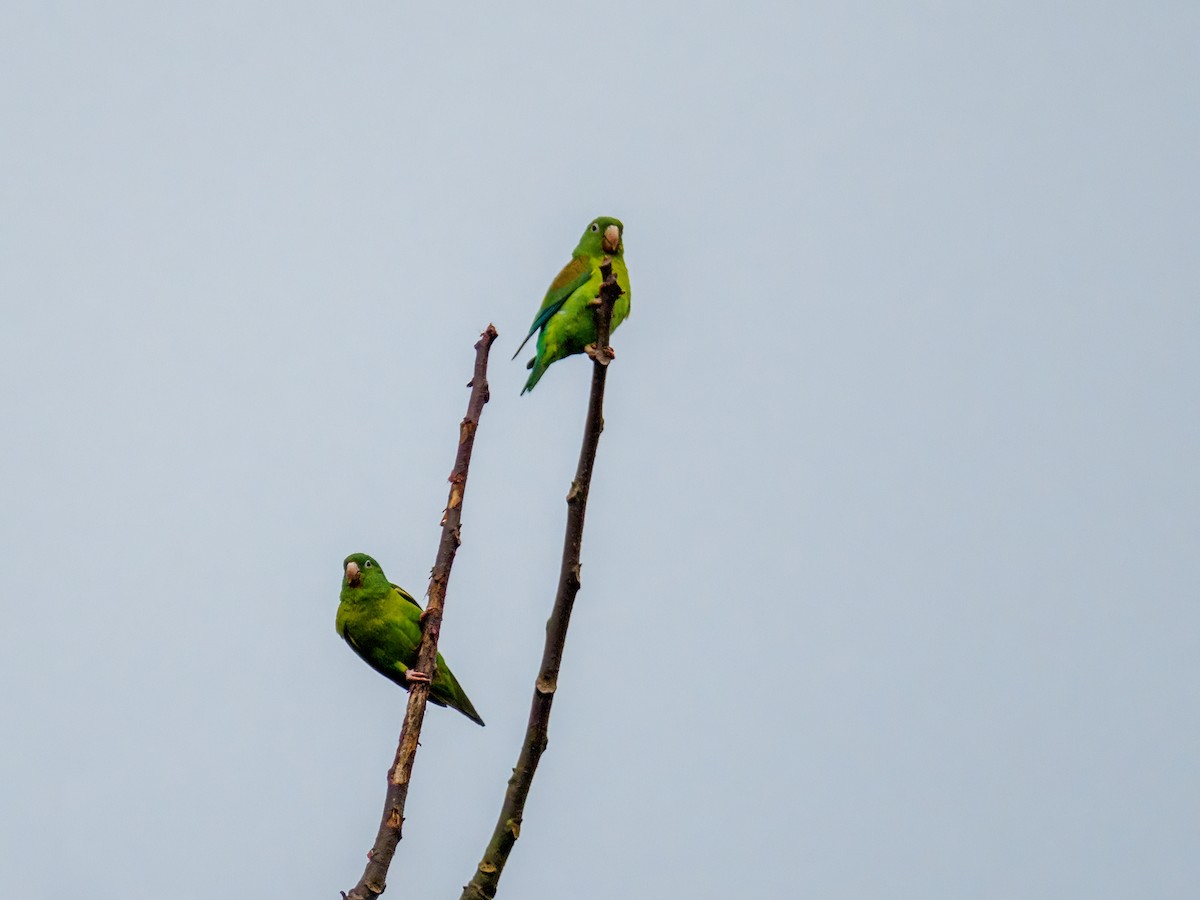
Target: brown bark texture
373 880
484 884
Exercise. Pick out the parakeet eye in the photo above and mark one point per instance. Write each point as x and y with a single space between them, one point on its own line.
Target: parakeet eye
595 227
367 564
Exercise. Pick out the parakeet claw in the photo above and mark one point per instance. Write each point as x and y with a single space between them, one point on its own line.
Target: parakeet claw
600 356
412 675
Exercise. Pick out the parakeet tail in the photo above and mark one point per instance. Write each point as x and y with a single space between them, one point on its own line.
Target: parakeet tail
539 369
452 695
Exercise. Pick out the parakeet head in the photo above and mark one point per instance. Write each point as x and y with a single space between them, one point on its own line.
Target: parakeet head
362 576
604 236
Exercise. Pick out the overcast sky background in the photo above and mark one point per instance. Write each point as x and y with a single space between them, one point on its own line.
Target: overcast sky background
890 574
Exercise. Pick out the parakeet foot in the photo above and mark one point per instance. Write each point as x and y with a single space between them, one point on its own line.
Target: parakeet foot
412 676
600 356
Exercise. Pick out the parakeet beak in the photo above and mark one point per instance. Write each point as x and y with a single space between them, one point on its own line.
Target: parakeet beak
612 239
353 576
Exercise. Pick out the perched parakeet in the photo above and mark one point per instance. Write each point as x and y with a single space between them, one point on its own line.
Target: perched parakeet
382 623
566 318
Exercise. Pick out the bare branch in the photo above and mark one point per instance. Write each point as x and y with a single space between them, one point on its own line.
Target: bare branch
372 883
487 876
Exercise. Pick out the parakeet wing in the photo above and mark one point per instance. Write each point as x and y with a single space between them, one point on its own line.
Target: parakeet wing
386 638
573 275
354 645
406 595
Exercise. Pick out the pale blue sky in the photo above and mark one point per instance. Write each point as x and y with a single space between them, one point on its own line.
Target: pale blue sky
890 575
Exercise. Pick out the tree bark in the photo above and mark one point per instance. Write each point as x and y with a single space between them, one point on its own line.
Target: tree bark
373 880
484 884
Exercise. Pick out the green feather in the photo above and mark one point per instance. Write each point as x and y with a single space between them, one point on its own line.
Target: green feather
565 322
382 624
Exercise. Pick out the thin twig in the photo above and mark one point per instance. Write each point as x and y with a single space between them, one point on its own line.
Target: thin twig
487 876
372 883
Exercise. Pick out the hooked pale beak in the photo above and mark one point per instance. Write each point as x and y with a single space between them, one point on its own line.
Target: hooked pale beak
353 576
612 239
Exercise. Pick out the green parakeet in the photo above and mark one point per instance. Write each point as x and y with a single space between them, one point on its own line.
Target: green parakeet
382 623
566 319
